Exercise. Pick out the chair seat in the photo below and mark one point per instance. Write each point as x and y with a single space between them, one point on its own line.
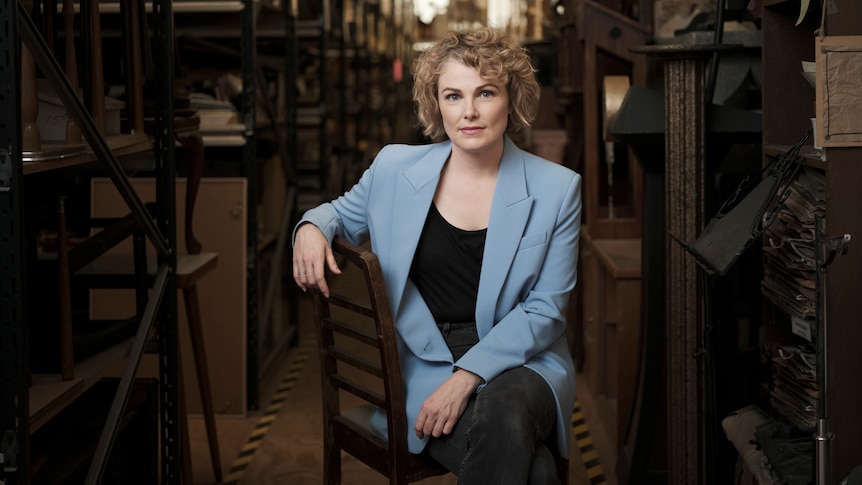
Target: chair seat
117 270
361 416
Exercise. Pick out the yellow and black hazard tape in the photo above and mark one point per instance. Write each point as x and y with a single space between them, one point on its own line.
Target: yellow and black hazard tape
590 457
263 424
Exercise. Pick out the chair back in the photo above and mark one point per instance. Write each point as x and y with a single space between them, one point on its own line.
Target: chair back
361 371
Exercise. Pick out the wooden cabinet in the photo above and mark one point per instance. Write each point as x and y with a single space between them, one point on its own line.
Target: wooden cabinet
788 105
219 224
612 324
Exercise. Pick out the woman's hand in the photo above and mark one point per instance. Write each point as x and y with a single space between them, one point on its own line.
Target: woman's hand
444 406
311 254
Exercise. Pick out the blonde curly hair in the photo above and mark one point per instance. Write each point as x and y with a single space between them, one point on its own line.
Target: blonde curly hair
497 58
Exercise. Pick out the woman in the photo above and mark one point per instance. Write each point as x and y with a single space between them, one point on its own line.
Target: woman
478 242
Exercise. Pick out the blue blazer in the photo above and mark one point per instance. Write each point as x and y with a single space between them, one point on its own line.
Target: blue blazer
528 269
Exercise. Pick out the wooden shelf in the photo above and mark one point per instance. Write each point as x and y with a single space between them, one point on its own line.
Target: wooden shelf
197 6
813 157
788 104
49 394
120 145
620 257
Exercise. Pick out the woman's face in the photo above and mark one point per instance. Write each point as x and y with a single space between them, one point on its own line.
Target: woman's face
475 111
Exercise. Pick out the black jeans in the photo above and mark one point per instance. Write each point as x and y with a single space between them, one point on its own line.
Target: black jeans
500 438
460 337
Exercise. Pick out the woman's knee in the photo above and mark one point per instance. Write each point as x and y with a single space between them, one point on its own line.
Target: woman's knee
518 402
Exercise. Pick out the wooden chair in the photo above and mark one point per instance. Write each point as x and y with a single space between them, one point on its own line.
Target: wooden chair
359 355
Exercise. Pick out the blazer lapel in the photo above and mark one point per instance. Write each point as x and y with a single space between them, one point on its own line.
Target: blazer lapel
413 196
510 211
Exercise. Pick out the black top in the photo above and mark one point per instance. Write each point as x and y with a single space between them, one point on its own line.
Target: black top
446 268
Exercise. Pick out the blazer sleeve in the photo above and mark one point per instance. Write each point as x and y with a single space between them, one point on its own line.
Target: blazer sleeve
347 215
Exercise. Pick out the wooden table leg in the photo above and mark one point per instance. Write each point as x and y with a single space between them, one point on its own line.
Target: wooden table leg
190 296
195 146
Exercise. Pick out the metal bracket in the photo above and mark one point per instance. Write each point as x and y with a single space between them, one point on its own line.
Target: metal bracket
834 246
5 170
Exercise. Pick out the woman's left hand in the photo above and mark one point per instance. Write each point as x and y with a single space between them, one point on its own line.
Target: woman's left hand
444 406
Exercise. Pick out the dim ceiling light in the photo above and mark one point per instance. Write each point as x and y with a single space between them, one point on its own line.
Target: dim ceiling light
426 10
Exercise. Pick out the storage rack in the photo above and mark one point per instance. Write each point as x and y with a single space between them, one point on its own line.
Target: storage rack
310 168
787 42
261 27
18 384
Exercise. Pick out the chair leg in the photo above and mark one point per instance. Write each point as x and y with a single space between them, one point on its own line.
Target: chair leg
193 316
331 464
563 470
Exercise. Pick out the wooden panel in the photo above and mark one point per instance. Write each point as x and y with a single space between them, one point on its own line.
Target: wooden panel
592 294
612 323
220 226
843 307
608 36
843 278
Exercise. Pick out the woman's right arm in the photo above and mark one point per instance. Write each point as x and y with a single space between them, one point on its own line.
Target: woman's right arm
312 253
345 216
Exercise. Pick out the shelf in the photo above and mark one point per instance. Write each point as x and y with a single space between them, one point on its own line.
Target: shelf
224 140
813 157
49 394
621 258
120 145
196 6
788 104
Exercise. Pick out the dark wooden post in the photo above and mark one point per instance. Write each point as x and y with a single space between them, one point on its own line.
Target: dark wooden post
684 216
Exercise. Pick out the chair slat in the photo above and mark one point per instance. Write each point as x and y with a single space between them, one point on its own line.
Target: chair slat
358 390
351 331
351 304
355 360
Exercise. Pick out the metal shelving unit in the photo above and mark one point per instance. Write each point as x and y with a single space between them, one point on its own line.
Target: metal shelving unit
28 399
253 44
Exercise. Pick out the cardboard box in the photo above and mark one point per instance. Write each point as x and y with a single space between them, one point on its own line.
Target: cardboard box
53 117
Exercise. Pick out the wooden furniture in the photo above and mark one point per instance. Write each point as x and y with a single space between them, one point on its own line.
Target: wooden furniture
612 323
611 190
115 271
788 104
374 383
